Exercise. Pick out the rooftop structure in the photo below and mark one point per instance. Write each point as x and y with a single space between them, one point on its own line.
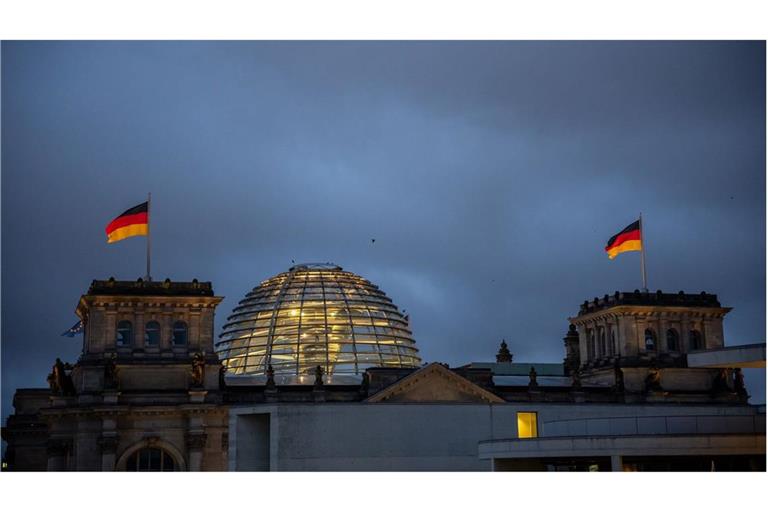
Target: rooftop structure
157 288
645 329
315 315
659 298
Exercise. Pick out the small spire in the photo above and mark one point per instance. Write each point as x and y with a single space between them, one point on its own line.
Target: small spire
504 355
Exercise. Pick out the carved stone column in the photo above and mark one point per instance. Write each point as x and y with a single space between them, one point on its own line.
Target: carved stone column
583 354
108 444
193 335
195 447
685 339
225 450
59 451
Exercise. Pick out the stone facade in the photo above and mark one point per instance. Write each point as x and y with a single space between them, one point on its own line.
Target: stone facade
148 392
655 328
648 337
131 390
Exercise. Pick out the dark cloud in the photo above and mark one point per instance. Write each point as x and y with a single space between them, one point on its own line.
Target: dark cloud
489 173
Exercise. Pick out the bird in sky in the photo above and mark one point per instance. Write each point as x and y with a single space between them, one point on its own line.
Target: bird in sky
373 240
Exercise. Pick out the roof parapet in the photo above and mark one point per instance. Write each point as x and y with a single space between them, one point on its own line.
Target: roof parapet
638 298
167 287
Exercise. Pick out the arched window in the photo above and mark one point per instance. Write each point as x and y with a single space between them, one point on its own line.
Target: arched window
152 334
697 343
124 333
650 339
179 334
601 335
150 459
673 340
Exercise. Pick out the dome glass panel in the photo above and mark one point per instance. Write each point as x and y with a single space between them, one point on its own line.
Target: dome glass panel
316 315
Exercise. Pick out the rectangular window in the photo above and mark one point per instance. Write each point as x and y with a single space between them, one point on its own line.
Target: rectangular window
527 425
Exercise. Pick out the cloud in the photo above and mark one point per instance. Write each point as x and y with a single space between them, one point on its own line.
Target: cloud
490 174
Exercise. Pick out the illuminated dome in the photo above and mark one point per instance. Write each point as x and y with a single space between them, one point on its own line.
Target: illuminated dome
315 315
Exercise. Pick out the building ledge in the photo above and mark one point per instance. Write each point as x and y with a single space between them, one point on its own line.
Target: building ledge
632 445
739 356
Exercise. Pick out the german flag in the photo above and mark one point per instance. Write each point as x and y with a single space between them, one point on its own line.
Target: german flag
629 239
132 222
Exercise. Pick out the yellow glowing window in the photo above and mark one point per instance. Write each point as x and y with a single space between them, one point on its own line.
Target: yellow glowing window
527 425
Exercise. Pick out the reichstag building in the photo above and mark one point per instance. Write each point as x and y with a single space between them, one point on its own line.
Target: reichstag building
317 369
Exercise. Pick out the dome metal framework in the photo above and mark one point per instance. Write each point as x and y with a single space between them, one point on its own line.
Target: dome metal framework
316 315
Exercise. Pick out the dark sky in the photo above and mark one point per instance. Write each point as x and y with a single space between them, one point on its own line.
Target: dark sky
490 174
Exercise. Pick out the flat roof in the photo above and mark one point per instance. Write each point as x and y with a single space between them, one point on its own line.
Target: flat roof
542 369
738 356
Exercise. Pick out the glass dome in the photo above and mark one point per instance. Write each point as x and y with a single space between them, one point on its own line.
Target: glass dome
315 315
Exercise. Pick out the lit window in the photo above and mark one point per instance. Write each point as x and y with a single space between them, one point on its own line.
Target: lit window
527 425
152 334
124 333
179 333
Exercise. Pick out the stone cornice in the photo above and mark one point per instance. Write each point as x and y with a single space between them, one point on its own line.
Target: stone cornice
146 301
649 311
101 410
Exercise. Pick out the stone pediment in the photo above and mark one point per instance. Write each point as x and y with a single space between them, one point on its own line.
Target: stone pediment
434 383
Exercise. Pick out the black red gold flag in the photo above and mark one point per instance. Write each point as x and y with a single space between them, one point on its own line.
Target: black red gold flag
132 222
628 239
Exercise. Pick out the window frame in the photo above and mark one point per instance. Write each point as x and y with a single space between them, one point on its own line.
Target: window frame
120 330
527 416
653 338
695 334
602 341
176 329
137 459
676 337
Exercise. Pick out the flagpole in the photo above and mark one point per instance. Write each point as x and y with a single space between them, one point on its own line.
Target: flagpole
642 254
149 240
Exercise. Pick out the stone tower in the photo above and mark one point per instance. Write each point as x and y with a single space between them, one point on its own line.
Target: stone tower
144 393
645 327
648 335
141 324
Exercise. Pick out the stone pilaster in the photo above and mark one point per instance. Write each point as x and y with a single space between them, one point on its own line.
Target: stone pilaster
195 446
59 451
108 445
